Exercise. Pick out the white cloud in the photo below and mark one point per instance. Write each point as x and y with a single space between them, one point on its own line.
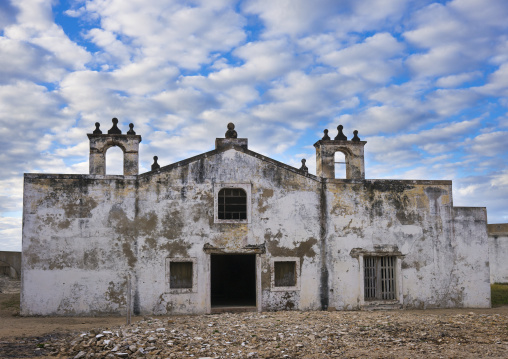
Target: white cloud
447 102
458 36
36 31
11 194
373 60
301 100
457 80
263 61
181 34
488 191
297 17
10 232
119 52
489 144
27 112
497 83
406 153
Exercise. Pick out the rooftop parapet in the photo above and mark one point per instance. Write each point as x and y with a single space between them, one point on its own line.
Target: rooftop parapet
231 138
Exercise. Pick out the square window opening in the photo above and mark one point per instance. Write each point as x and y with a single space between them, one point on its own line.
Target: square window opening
284 274
180 275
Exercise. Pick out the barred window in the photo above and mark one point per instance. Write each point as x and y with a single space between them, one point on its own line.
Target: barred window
379 278
285 274
180 275
232 203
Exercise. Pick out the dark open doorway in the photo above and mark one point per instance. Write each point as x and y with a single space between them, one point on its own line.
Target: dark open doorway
233 280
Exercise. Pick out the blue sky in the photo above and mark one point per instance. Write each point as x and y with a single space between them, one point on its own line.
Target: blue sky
424 82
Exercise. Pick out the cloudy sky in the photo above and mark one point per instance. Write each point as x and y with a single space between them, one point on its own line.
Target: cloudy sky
424 82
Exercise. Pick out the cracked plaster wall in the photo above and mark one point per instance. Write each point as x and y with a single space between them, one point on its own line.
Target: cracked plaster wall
442 260
84 235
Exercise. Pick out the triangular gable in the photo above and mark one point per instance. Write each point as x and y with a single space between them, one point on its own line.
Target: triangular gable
224 149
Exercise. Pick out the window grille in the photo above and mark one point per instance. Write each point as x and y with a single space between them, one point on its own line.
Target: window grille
379 278
180 275
285 274
232 204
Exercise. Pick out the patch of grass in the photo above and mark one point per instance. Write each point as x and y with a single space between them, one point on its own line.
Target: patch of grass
499 294
10 302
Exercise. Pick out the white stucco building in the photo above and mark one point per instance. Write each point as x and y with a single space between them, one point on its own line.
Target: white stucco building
231 228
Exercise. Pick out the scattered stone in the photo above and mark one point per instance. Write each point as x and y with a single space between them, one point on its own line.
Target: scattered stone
404 334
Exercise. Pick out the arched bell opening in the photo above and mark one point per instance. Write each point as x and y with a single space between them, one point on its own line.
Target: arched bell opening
340 164
125 163
114 159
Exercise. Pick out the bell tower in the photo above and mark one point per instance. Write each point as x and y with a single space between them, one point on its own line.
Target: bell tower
352 150
99 144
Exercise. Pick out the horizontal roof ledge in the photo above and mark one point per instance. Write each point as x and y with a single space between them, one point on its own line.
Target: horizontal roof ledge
225 142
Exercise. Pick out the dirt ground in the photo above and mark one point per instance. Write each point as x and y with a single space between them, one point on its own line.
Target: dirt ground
20 336
23 337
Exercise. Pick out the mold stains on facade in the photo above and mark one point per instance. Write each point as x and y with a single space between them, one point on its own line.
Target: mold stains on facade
129 254
301 249
433 194
172 225
91 259
116 293
178 248
151 243
83 235
80 207
265 196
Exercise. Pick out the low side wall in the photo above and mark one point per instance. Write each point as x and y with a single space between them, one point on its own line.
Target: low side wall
472 257
498 252
13 260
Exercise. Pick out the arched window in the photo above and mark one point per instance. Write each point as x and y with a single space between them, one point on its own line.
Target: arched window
232 204
340 165
114 161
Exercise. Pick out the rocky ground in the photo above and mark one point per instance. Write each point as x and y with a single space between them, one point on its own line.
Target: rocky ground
386 334
394 334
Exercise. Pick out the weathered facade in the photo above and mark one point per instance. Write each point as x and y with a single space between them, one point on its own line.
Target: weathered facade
233 228
498 251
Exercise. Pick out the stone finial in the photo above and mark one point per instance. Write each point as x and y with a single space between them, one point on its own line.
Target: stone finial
355 138
97 131
340 136
131 131
231 133
304 168
326 137
114 130
155 165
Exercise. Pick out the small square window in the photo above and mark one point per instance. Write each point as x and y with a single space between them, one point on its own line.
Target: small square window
284 274
180 275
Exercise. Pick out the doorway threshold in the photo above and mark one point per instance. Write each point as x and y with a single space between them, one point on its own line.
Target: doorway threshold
233 309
